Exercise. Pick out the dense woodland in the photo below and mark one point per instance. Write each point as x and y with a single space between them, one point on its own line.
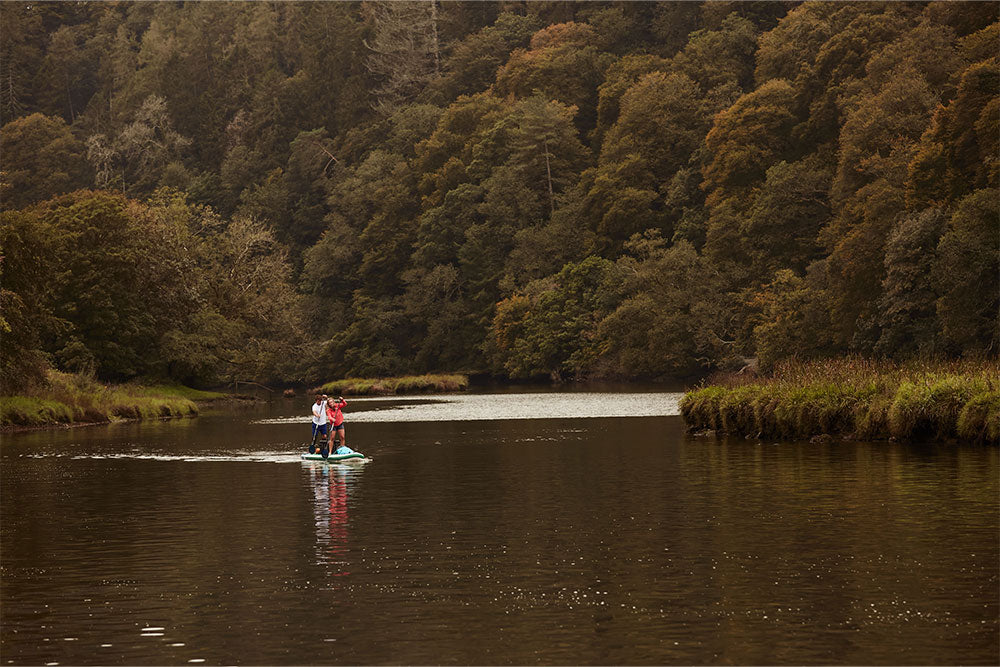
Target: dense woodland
211 191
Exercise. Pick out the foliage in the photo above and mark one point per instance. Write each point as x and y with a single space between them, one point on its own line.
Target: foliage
41 159
855 398
414 384
671 314
297 191
553 330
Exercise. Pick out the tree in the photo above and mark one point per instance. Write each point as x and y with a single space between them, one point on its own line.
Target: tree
662 120
21 51
136 157
878 139
405 49
745 141
472 64
27 251
563 64
722 58
544 146
670 321
554 331
794 317
788 212
907 318
967 275
958 152
749 137
41 159
618 79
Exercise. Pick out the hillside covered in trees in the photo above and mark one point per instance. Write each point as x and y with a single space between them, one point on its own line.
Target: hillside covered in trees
204 192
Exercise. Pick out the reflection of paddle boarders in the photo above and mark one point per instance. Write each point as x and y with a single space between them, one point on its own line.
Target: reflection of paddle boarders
319 425
330 512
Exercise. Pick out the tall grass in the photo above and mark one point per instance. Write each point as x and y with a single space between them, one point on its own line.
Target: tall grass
855 397
411 384
69 399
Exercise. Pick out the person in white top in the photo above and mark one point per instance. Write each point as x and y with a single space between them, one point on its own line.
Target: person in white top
319 425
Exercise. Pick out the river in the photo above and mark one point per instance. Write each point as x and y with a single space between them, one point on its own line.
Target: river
512 527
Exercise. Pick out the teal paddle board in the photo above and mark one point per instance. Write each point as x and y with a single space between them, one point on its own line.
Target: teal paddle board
333 458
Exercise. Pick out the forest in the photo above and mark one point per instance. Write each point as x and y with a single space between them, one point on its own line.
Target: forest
203 192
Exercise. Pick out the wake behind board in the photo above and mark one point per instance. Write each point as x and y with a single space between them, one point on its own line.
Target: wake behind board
333 458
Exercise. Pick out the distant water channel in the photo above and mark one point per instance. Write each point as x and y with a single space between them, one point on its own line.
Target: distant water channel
504 528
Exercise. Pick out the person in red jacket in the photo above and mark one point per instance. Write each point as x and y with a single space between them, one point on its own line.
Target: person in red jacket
336 419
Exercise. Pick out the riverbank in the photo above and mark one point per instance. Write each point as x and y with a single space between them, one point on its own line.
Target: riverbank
855 399
410 384
74 400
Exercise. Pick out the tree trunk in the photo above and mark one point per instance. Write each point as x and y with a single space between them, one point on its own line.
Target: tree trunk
548 174
436 44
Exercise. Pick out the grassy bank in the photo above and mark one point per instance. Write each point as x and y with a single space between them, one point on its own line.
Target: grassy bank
412 384
855 398
72 399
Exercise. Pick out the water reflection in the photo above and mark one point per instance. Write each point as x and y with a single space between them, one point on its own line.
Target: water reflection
330 515
550 541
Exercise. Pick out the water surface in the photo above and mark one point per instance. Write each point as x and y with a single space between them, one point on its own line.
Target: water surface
505 528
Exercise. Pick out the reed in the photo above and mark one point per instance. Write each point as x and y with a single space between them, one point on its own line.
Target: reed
75 399
411 384
859 398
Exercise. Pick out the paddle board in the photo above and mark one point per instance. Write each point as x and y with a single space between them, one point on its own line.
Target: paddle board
333 458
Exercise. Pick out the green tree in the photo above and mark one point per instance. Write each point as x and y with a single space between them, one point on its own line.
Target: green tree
967 275
619 78
794 317
907 318
27 257
41 159
553 330
671 319
788 212
720 59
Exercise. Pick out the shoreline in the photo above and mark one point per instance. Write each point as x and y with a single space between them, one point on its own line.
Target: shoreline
70 401
854 399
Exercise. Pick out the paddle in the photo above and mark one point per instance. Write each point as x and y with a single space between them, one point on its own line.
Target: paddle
312 445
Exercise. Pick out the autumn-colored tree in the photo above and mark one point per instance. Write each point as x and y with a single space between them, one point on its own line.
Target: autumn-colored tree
561 63
958 152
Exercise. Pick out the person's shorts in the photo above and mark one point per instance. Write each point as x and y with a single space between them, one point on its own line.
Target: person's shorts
319 428
339 427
